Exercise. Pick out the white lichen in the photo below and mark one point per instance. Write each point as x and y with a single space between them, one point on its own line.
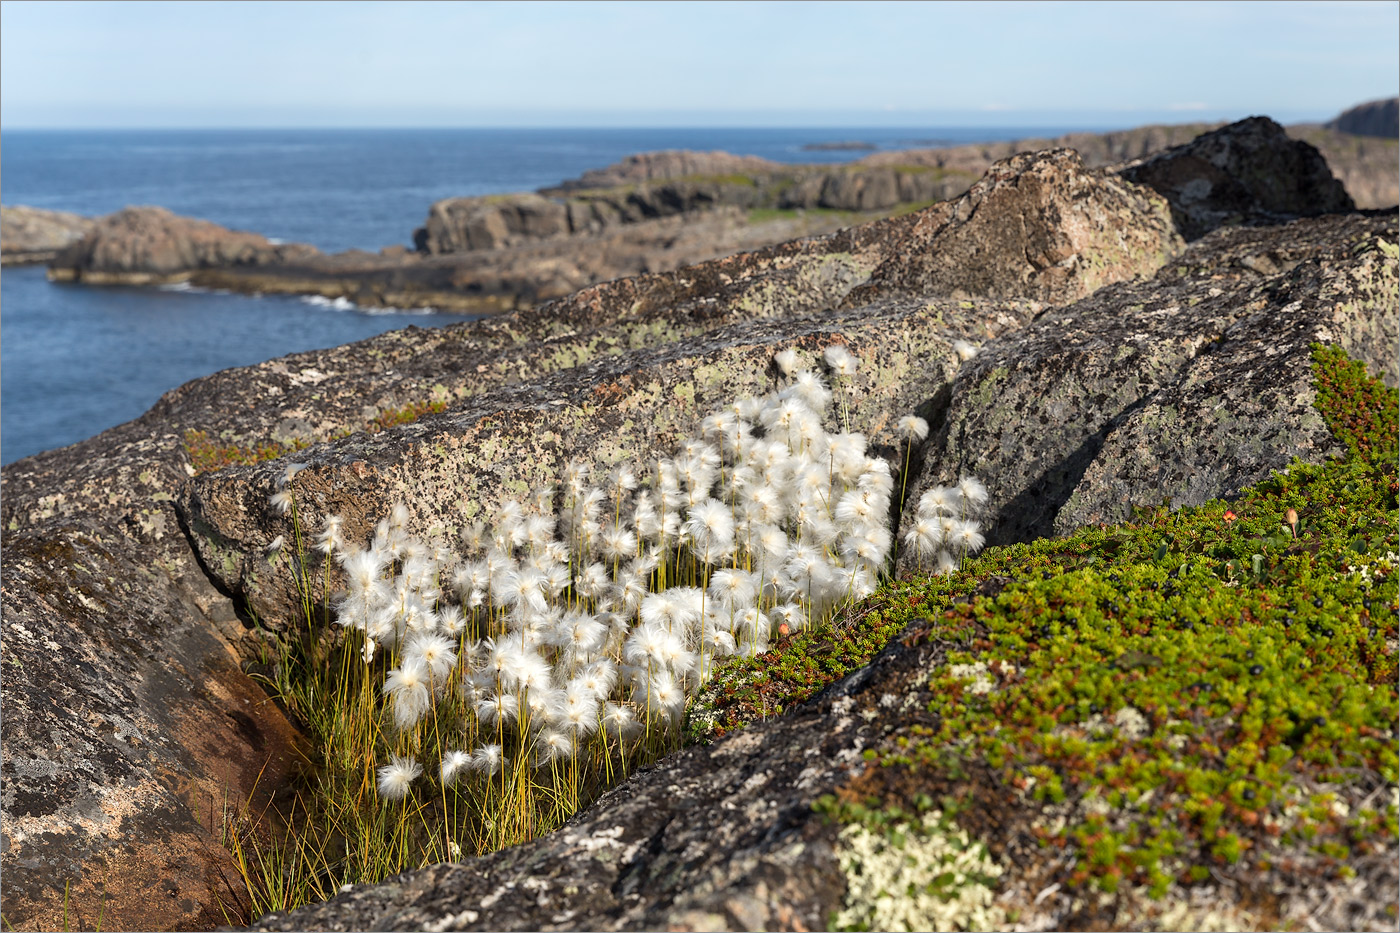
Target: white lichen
925 877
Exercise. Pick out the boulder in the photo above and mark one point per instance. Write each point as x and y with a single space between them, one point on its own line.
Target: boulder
1247 172
31 235
1184 387
144 245
1039 225
1373 118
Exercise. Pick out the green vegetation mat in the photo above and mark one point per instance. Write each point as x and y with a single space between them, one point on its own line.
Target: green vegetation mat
1190 689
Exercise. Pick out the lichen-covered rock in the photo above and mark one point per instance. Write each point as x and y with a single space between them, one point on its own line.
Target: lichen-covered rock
1243 407
131 734
1187 386
1247 172
1039 225
452 468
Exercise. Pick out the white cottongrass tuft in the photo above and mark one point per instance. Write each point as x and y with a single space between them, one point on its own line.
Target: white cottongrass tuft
574 626
840 360
396 777
912 428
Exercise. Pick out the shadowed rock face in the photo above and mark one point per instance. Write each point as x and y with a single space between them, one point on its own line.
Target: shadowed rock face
1373 118
1247 172
130 566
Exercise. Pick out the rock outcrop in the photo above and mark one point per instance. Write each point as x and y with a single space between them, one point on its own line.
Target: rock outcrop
125 576
667 165
31 235
1251 174
1373 118
502 221
150 245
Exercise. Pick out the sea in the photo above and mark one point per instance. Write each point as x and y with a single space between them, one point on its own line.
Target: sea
76 359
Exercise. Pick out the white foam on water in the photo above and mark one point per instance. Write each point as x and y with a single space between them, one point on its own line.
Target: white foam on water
345 304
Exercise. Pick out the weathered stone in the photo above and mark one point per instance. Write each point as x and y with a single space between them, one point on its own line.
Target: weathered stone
31 235
1247 172
1039 225
131 734
453 468
1242 407
142 245
1188 386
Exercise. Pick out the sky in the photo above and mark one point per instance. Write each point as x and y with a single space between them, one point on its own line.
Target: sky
794 63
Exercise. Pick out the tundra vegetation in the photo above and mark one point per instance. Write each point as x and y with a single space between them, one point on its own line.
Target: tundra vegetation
477 694
1196 689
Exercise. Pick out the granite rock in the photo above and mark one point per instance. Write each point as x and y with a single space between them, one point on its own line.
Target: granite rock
31 235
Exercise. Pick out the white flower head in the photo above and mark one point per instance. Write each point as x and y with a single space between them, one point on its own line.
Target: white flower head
395 777
840 360
281 501
912 428
453 764
787 361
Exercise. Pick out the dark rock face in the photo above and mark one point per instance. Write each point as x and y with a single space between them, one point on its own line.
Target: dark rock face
1248 172
141 245
31 235
123 689
1373 118
1367 166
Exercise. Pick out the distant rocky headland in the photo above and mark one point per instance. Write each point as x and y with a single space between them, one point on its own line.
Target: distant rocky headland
652 212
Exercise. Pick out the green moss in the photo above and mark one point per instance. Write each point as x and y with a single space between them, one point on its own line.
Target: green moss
1185 691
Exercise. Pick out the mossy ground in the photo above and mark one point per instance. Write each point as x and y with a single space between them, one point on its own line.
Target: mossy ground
1193 694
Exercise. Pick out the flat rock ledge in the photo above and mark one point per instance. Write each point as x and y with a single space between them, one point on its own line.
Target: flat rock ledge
130 724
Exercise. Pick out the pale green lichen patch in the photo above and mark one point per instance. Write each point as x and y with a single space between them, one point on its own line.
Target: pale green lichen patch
925 875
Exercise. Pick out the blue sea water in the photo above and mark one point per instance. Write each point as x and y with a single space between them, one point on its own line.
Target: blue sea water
75 360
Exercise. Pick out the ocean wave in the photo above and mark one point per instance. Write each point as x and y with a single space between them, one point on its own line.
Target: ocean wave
345 304
336 304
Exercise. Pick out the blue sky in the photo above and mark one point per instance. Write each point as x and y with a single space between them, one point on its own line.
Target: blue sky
293 64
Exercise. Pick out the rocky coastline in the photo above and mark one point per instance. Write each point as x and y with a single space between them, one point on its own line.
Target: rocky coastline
652 212
1141 332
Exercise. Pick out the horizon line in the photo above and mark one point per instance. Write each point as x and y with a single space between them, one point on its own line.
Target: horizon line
1057 125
